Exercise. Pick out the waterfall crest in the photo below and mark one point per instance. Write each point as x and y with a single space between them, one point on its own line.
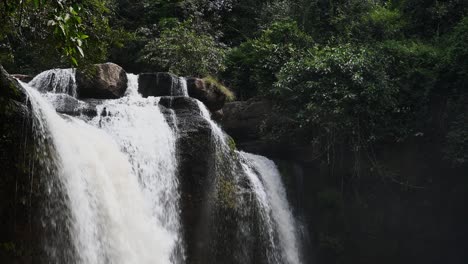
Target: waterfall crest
56 81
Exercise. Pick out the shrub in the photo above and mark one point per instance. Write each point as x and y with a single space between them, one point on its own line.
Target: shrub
213 82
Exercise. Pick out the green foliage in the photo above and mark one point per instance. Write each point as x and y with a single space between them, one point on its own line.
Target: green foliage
37 35
183 51
382 22
68 28
253 65
457 51
213 82
341 88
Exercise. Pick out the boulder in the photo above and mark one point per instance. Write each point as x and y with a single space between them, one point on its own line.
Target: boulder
243 119
213 98
252 124
10 89
103 81
157 84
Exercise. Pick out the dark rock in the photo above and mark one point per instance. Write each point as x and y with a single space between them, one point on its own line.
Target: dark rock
10 87
103 81
22 234
251 124
218 116
181 104
213 98
23 77
157 84
243 119
66 104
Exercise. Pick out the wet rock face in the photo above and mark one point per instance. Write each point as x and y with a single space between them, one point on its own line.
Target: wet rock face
207 93
157 84
196 160
104 81
21 233
218 225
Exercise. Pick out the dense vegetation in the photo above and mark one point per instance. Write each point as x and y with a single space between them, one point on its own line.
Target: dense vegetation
329 64
350 72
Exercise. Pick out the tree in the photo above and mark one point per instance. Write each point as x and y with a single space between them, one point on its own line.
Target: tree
252 66
183 51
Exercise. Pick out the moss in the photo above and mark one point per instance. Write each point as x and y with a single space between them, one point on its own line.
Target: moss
227 193
89 71
213 82
8 247
231 143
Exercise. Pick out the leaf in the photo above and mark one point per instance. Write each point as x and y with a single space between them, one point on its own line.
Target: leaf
74 61
81 51
62 27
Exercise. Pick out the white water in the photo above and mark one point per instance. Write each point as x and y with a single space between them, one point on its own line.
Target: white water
113 219
183 86
119 174
56 81
271 195
218 133
142 132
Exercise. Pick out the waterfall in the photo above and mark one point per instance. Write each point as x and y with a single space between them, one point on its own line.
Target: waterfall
113 183
114 214
140 129
56 81
271 195
268 189
183 87
218 133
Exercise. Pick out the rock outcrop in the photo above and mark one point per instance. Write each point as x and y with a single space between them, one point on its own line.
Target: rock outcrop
21 233
213 98
218 225
158 84
102 81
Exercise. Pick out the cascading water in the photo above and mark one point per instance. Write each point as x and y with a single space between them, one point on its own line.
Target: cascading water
115 217
56 81
265 180
271 195
183 91
139 127
115 178
218 133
